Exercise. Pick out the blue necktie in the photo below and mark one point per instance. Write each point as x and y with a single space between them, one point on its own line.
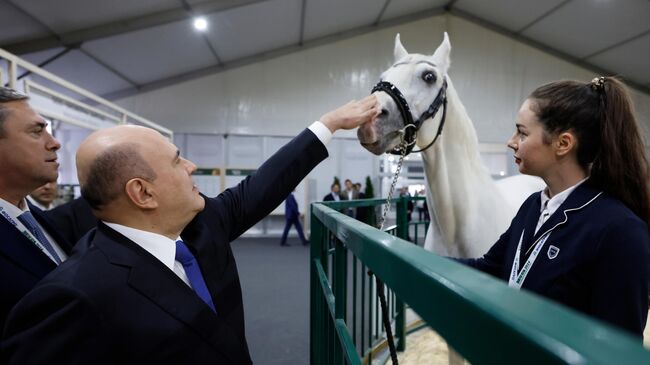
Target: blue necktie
193 271
30 223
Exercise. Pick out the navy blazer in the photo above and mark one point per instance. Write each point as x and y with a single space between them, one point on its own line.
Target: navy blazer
73 219
596 259
330 197
291 207
22 264
112 302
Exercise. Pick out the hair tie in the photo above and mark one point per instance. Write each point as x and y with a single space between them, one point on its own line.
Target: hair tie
598 83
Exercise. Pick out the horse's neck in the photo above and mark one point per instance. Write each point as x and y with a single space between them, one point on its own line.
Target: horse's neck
456 177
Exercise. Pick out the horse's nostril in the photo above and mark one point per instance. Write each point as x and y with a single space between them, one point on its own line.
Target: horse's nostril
384 112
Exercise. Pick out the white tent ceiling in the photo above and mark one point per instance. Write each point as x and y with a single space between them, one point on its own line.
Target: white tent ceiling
120 47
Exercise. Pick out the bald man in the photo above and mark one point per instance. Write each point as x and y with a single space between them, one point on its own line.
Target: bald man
156 282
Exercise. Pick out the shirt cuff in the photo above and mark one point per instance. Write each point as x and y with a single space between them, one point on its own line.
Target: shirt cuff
322 132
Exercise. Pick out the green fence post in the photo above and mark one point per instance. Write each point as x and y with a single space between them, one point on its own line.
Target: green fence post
402 223
402 232
319 310
340 290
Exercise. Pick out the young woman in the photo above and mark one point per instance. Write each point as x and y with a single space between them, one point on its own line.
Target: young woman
584 240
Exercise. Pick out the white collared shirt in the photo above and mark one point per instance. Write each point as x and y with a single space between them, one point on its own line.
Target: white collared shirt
550 205
39 205
14 212
321 131
159 246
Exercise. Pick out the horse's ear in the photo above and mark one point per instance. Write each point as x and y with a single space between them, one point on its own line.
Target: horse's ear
400 51
441 55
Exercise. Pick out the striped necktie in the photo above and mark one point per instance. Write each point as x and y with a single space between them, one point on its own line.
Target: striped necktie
193 271
27 219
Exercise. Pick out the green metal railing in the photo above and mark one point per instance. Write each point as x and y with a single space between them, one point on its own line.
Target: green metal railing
480 317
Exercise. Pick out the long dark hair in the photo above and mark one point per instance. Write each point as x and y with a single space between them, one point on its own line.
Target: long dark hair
610 147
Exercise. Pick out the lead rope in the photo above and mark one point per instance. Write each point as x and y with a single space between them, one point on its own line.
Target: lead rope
380 286
402 146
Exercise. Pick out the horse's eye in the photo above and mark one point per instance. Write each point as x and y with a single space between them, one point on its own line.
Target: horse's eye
429 77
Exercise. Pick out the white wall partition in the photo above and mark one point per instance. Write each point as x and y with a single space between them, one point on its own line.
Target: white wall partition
492 73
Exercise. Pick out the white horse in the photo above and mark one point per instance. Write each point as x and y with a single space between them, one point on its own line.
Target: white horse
468 209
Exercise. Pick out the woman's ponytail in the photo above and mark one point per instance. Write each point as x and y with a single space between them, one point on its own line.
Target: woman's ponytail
620 166
610 146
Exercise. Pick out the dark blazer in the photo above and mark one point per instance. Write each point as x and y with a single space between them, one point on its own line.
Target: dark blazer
22 264
330 197
602 265
291 207
73 219
114 303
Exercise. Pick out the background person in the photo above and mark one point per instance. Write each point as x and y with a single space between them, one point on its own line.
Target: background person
334 193
292 218
44 196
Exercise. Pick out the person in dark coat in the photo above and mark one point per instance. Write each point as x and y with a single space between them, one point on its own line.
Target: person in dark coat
30 244
334 194
292 218
73 219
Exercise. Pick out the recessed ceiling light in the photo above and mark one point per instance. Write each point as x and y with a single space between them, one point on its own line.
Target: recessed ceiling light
200 24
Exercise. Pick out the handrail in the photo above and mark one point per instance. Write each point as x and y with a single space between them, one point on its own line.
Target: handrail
481 317
34 85
364 202
15 61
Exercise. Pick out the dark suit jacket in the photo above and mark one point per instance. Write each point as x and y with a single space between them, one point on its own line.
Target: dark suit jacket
291 207
330 197
601 264
114 303
73 219
22 264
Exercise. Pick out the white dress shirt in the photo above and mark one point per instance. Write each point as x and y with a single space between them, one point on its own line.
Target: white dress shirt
14 211
39 205
322 132
159 246
550 205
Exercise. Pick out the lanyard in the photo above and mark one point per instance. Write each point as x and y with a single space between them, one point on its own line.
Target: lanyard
22 229
516 277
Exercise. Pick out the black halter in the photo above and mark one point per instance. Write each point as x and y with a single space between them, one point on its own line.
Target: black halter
411 127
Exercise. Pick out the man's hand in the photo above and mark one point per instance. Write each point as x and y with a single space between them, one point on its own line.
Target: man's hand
352 114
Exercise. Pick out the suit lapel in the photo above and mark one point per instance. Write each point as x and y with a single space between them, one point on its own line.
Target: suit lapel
530 223
154 280
23 252
532 217
582 196
578 199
